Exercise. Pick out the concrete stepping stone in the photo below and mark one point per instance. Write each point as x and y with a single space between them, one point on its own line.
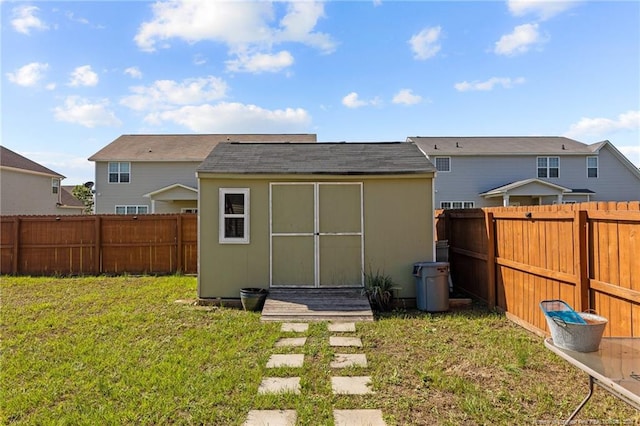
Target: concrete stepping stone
358 418
345 341
291 341
358 385
341 326
349 360
271 418
280 385
298 327
286 360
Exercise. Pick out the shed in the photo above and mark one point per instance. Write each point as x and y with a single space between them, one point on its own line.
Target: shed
320 215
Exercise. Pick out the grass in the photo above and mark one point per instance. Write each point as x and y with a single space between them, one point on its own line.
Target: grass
100 350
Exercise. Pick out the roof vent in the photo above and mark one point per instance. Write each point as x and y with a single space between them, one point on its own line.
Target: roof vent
435 147
563 148
457 146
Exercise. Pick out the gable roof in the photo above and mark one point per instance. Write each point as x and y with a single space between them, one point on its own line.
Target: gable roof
500 145
521 183
322 158
14 160
194 147
67 199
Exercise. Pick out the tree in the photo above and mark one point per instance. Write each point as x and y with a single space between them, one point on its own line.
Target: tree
84 194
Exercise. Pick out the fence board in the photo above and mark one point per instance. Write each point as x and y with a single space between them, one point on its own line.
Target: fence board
100 244
585 254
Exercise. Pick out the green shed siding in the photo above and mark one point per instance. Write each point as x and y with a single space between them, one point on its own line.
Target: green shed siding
398 231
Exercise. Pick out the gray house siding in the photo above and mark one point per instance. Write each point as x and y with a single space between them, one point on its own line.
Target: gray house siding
145 177
28 194
472 175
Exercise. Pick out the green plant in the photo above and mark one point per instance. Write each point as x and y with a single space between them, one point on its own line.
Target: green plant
379 289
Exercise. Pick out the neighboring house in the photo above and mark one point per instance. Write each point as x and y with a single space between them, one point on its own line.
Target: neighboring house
69 201
28 188
138 174
312 215
504 171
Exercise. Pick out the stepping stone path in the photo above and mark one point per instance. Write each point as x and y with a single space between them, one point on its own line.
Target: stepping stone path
342 385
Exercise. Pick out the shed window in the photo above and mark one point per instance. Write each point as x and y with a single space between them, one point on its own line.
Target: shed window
443 164
592 167
548 167
234 215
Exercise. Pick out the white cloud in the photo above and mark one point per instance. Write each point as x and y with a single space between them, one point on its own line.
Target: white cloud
81 111
406 97
487 85
261 62
199 59
602 127
133 72
519 41
83 76
243 26
544 9
235 117
25 19
352 100
298 24
164 94
426 44
28 75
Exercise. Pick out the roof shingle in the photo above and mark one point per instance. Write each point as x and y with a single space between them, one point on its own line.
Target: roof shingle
321 158
192 147
14 160
502 145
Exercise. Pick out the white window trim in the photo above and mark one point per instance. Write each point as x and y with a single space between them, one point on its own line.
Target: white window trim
473 204
222 216
55 185
548 167
435 163
597 167
125 206
119 173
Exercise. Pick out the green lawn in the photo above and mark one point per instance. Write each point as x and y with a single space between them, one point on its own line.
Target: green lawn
104 350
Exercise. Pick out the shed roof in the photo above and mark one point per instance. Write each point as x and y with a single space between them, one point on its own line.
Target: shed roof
502 145
190 147
322 158
14 160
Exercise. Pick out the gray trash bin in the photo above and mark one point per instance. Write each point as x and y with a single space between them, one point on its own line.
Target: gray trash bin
432 286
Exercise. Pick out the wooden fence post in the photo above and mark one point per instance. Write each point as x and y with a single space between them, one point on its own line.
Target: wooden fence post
581 260
16 245
491 259
97 249
179 248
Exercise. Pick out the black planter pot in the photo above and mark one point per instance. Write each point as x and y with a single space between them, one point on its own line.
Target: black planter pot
253 298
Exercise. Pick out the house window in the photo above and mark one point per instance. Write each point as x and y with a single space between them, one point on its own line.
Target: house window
132 209
457 204
234 215
443 164
119 172
55 185
548 167
592 167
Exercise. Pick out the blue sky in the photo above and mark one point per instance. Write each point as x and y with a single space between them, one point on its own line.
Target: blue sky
76 75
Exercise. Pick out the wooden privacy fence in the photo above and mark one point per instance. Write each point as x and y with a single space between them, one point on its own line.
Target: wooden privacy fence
585 254
98 244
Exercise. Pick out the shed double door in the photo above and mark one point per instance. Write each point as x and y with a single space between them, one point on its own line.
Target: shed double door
316 235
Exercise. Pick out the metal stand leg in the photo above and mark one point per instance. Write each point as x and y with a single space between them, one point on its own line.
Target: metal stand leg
584 401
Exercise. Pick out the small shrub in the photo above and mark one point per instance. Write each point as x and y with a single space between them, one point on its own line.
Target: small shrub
379 289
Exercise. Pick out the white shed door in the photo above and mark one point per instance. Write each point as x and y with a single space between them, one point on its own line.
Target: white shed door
316 234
